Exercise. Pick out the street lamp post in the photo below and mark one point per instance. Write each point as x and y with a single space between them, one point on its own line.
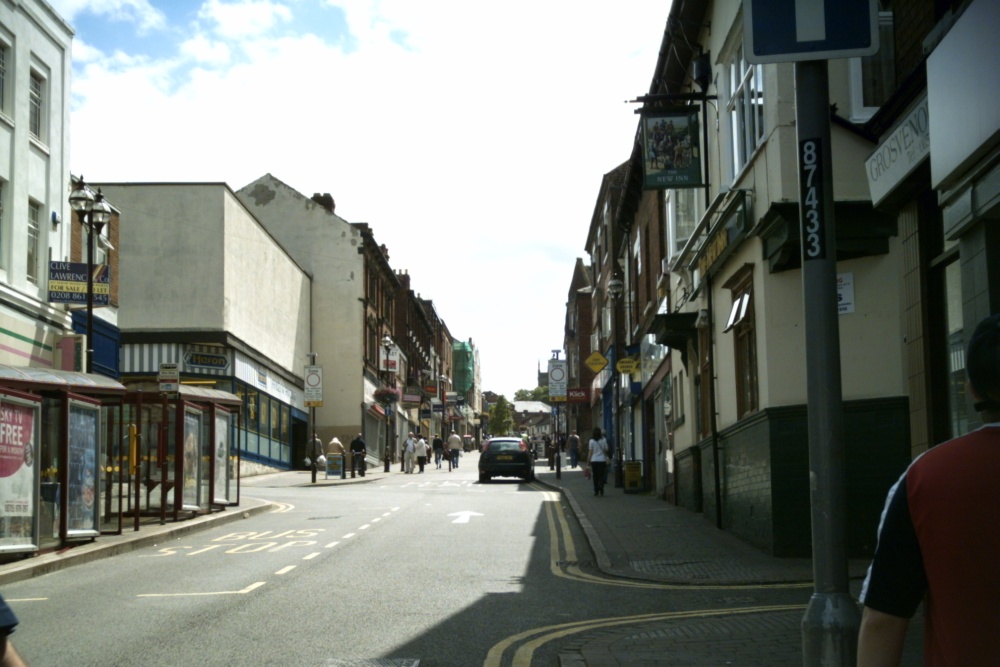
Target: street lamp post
387 344
615 289
444 407
94 212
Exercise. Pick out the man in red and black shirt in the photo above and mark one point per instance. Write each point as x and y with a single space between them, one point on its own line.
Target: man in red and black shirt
939 539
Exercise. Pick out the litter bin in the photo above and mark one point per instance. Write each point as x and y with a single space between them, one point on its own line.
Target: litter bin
633 476
334 465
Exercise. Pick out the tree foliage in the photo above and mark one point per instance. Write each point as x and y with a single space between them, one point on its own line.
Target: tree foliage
536 394
502 417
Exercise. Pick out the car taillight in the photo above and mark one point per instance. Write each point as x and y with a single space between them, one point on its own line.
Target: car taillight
524 447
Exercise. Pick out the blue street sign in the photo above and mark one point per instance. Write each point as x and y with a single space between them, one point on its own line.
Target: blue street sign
776 31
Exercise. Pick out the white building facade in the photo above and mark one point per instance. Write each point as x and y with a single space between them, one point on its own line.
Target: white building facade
35 66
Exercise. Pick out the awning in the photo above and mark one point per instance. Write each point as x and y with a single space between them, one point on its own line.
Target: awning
29 378
376 409
191 393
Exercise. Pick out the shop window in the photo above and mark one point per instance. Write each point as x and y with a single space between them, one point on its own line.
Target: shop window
251 408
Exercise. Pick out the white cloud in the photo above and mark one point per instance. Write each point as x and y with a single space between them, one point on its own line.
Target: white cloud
140 12
249 18
475 150
206 51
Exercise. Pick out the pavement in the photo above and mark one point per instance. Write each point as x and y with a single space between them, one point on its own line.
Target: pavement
634 536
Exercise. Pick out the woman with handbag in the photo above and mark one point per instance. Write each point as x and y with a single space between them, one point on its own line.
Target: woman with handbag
597 461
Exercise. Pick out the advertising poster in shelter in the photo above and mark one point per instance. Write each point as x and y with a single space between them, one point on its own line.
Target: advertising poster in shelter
18 435
221 490
81 494
192 430
670 154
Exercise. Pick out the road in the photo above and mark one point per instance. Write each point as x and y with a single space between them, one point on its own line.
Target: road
430 569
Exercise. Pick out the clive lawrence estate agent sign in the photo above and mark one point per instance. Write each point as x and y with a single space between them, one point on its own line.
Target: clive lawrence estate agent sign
68 283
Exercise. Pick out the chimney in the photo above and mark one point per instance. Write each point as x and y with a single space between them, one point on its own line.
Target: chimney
325 200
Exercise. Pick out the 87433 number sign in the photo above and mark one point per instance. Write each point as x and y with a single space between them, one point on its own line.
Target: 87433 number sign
812 197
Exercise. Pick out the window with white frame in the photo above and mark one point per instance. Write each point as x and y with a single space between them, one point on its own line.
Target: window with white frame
681 218
34 232
4 55
873 78
742 324
36 106
745 108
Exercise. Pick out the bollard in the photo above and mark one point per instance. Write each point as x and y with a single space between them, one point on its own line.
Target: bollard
558 465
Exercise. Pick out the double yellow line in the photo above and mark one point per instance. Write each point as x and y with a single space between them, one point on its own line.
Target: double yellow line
559 531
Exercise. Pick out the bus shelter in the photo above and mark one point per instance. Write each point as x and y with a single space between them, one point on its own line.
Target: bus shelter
58 431
185 450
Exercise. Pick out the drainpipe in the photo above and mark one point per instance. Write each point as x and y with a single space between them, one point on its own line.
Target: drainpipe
711 409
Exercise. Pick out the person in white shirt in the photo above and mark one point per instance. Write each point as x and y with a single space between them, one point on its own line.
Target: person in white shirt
409 447
454 448
420 451
597 459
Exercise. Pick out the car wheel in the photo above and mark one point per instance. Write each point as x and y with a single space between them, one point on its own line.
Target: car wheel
483 478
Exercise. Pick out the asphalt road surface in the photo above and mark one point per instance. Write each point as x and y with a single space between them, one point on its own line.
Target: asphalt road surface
431 569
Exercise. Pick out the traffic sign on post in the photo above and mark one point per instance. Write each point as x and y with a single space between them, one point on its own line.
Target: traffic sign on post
776 31
313 394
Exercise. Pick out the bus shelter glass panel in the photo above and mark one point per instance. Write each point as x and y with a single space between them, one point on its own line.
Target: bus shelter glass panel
82 506
113 469
191 458
205 464
19 437
222 467
53 417
157 445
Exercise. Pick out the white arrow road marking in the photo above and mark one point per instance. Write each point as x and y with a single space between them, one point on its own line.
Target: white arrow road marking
246 590
463 517
810 20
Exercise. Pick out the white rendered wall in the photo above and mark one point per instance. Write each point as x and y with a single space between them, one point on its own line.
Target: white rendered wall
193 259
327 246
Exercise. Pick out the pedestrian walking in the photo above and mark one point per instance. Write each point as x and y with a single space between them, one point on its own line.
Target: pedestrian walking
315 452
420 451
438 450
8 621
336 448
454 448
358 452
938 541
597 459
409 451
574 449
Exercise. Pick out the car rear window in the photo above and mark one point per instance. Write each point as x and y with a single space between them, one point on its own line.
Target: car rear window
505 446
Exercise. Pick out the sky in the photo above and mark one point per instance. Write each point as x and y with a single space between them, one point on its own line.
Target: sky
470 135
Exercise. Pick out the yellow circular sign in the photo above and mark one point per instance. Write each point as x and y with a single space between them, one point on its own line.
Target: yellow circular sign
628 365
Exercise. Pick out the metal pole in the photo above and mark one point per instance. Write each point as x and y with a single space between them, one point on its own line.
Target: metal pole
388 419
831 621
89 224
618 458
